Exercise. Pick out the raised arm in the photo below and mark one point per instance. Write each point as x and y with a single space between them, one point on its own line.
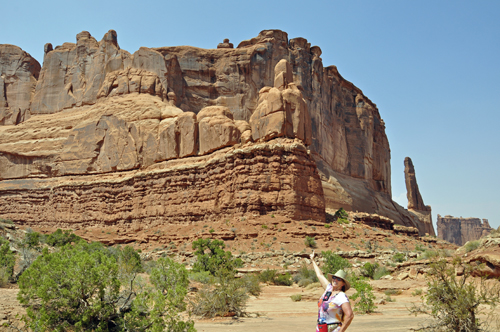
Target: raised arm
322 280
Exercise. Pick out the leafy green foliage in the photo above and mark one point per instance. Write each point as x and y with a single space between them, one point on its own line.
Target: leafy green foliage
272 277
7 261
203 277
364 292
334 262
61 238
216 260
399 257
456 303
252 284
373 271
31 239
310 242
227 297
296 297
472 245
341 216
87 287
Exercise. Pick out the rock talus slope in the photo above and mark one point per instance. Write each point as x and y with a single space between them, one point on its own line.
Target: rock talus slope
97 109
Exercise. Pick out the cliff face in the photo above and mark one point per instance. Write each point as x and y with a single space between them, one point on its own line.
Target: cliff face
416 204
460 230
98 109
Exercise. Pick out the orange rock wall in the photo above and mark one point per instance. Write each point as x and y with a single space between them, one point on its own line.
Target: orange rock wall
275 177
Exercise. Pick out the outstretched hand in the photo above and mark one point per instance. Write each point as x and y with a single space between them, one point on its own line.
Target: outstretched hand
311 256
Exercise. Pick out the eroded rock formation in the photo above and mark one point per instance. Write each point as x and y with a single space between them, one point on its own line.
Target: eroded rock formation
415 202
460 230
18 76
99 109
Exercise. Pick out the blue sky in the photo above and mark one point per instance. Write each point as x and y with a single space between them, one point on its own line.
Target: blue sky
432 68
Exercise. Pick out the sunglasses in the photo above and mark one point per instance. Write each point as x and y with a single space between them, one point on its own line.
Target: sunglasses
337 278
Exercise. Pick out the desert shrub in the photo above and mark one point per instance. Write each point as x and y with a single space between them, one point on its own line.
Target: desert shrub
7 260
4 276
296 297
61 238
417 292
310 242
216 260
456 303
471 245
304 282
252 284
364 292
314 285
267 276
227 297
78 288
392 291
272 277
368 269
380 272
334 262
399 257
31 239
341 216
203 276
388 298
283 280
305 276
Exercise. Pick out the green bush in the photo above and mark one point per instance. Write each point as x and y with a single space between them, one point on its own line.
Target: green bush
310 242
78 288
7 260
252 284
458 303
334 262
203 276
272 277
4 276
296 297
472 245
364 292
61 238
380 272
368 269
306 275
31 239
227 297
341 216
267 276
283 280
216 260
399 257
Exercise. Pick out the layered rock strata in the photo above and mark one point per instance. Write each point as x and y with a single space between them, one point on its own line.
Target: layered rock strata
99 109
273 177
460 230
415 202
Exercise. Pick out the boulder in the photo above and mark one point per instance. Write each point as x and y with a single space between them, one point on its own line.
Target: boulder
217 129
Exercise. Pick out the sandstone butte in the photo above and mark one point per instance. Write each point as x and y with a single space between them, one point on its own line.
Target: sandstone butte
98 135
461 230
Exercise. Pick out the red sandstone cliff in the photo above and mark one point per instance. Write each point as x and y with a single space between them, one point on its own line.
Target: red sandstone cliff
460 230
95 109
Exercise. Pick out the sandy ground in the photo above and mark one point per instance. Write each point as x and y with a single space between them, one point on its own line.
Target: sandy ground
273 310
278 312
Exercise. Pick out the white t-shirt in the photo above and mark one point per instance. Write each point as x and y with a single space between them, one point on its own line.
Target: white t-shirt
331 309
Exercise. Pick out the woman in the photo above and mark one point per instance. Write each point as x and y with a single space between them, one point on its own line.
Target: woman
334 307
